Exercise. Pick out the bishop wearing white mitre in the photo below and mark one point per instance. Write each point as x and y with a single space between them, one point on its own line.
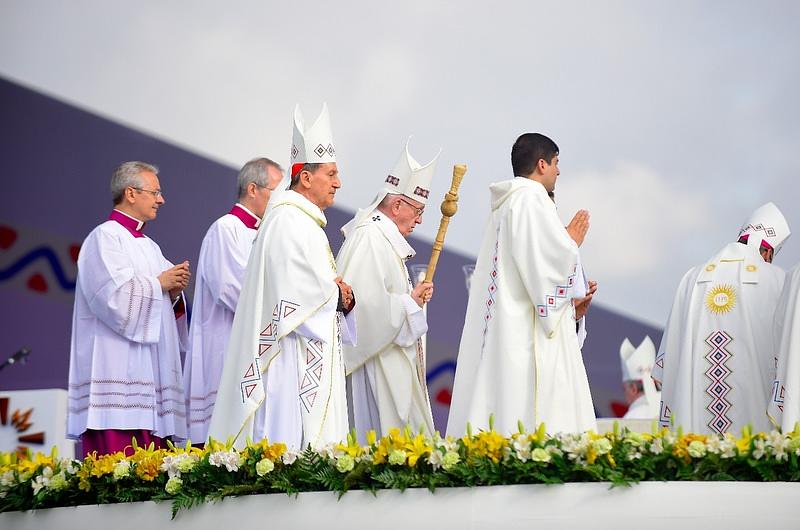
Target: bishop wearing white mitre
784 402
220 270
641 394
284 374
387 366
519 357
716 361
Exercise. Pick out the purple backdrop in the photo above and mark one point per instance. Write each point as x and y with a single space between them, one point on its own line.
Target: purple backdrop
57 164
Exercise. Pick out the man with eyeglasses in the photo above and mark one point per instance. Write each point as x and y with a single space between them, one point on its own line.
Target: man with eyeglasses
220 270
387 365
128 326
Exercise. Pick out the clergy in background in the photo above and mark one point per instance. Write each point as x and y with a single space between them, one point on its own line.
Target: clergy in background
218 281
641 392
784 400
284 374
128 326
716 362
387 366
519 357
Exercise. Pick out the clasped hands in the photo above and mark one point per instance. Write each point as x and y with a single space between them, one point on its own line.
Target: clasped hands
175 279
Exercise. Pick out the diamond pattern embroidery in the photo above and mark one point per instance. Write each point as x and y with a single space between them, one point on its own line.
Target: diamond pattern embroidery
718 388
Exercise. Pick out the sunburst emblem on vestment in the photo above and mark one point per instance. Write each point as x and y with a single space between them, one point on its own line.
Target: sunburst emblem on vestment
721 299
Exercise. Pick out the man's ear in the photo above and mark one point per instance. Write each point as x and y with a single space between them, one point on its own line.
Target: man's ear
305 178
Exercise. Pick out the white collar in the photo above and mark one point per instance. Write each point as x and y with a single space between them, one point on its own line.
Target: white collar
392 233
312 210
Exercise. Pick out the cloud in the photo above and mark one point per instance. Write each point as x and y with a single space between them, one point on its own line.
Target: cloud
637 215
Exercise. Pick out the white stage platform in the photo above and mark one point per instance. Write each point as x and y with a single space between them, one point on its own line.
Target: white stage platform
651 505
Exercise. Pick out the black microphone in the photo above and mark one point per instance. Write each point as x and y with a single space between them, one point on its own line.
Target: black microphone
18 357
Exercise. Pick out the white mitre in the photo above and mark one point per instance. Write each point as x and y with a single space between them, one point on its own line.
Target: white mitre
637 364
408 178
766 226
312 145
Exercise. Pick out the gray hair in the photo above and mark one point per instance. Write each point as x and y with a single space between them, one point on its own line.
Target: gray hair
388 200
306 167
128 175
256 172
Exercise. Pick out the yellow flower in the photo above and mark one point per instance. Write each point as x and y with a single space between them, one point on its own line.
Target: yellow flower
416 449
148 462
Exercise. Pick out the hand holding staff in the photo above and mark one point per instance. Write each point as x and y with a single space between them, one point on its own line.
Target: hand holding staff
449 208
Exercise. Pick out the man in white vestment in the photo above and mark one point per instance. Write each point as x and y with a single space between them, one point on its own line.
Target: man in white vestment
283 377
716 362
784 400
387 366
519 357
641 393
128 326
220 269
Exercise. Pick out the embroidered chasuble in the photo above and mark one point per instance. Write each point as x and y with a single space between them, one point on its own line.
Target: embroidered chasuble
716 361
218 281
387 366
519 357
125 363
784 401
283 376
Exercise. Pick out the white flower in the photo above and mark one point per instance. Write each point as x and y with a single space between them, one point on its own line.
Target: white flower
657 446
522 449
760 448
43 480
714 444
289 457
173 485
435 459
7 479
230 459
122 469
727 446
264 466
177 464
554 450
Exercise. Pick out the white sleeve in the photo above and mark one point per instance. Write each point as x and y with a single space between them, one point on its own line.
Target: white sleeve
128 302
414 326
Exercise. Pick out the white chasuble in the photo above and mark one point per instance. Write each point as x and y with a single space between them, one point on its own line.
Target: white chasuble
642 409
218 281
784 402
125 363
519 357
387 367
283 376
716 361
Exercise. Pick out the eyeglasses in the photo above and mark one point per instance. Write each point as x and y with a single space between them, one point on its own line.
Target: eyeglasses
155 193
419 211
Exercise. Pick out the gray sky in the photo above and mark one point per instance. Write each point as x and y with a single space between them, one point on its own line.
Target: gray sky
675 119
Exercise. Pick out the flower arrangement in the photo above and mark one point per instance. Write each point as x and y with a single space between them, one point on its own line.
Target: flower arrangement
189 476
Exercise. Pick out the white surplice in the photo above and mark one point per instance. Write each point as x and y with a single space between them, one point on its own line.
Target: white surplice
125 363
519 357
784 402
716 361
284 374
218 281
387 367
